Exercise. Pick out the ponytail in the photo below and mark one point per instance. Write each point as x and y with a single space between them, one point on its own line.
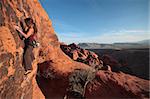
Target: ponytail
35 28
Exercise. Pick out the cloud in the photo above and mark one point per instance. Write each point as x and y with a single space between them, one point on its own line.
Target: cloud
63 26
70 34
109 37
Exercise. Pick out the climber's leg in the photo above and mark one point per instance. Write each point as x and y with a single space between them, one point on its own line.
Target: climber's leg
28 58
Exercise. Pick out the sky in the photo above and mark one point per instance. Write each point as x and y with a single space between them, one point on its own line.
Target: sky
99 21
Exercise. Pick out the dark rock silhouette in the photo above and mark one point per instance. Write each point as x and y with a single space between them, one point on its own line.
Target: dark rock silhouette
130 61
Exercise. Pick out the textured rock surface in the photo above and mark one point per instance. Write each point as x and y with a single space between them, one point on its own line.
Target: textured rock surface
54 65
13 83
81 55
117 85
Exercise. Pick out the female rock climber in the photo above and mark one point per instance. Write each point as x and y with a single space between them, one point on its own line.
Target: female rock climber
30 38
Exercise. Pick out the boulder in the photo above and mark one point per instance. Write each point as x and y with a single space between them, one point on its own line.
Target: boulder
81 55
74 54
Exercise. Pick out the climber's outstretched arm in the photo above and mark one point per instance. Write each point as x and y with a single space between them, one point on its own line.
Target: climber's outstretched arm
29 33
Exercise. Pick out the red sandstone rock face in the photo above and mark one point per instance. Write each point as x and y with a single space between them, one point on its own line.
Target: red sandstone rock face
81 55
107 84
117 85
13 83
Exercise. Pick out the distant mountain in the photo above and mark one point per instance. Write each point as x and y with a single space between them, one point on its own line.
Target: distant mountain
146 42
96 46
139 44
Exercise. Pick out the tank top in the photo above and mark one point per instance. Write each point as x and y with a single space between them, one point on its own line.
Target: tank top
30 39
